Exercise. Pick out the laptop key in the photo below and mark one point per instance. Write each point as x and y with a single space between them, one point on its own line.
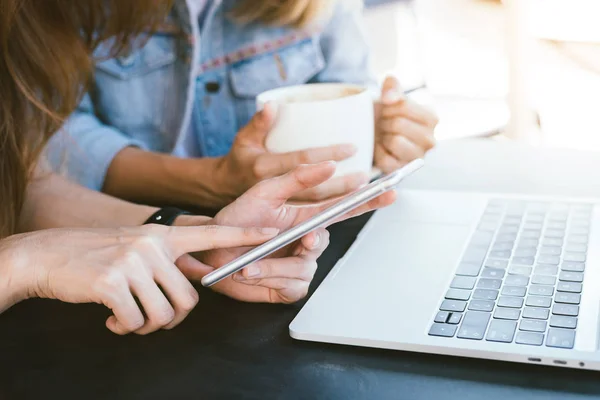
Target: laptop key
520 270
489 283
481 305
531 234
567 276
578 239
518 291
560 338
561 321
543 269
580 231
468 269
523 260
543 280
503 254
538 301
555 233
463 282
552 260
501 331
536 313
577 248
481 239
569 287
565 309
474 325
567 298
525 252
531 225
507 313
492 263
458 294
550 251
577 257
516 280
572 266
485 294
453 305
552 241
529 243
557 225
474 256
510 302
442 330
442 316
541 290
533 325
503 246
530 338
454 318
492 273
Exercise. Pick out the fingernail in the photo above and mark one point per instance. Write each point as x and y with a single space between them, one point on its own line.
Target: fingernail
269 231
393 96
316 240
252 271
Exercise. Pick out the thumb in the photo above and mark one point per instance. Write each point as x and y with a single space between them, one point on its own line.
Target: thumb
191 268
391 91
259 126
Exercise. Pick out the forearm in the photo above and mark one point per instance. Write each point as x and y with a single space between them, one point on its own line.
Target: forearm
152 178
54 202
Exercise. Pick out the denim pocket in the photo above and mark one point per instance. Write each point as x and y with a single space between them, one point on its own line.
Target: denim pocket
289 66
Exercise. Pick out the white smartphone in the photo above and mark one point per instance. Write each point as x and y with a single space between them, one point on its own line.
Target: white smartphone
325 217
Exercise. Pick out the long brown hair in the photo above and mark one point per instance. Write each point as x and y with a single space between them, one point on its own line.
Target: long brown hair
45 64
295 13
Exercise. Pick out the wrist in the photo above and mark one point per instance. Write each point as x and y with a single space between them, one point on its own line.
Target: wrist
15 274
214 182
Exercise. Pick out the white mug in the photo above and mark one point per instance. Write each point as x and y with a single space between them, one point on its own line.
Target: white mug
321 115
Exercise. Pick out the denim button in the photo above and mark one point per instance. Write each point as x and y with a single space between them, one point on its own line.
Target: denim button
212 87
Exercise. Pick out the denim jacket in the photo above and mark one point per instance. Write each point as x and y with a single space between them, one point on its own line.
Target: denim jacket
172 94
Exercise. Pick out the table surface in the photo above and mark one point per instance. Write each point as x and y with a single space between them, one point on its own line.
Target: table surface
227 349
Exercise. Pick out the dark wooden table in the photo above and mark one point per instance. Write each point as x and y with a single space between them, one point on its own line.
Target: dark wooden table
227 349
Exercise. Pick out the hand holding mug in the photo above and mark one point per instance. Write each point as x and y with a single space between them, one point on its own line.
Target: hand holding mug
404 129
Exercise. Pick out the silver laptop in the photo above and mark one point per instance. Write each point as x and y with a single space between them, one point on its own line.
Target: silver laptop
512 278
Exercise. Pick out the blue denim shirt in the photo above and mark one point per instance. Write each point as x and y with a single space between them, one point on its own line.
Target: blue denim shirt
174 97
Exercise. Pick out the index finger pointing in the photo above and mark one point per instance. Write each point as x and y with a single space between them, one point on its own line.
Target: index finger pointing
187 239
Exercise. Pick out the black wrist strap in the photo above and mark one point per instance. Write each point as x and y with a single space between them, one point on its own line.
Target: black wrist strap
165 216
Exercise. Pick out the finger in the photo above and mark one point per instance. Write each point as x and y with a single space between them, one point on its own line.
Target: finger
313 245
419 134
159 311
180 292
391 91
382 201
412 111
188 239
288 268
402 148
334 188
385 161
256 131
282 290
127 316
193 269
282 188
269 164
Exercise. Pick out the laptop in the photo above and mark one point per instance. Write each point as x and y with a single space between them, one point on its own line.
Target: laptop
481 275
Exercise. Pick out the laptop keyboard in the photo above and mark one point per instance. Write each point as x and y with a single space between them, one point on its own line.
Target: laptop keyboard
521 277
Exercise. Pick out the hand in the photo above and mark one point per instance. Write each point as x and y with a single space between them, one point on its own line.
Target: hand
249 162
404 129
114 267
284 277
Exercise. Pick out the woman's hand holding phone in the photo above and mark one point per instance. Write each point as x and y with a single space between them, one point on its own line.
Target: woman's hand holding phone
284 276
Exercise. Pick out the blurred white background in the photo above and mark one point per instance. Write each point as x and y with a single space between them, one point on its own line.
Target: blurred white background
482 58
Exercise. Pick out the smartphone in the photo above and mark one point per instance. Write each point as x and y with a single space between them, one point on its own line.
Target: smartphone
325 217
